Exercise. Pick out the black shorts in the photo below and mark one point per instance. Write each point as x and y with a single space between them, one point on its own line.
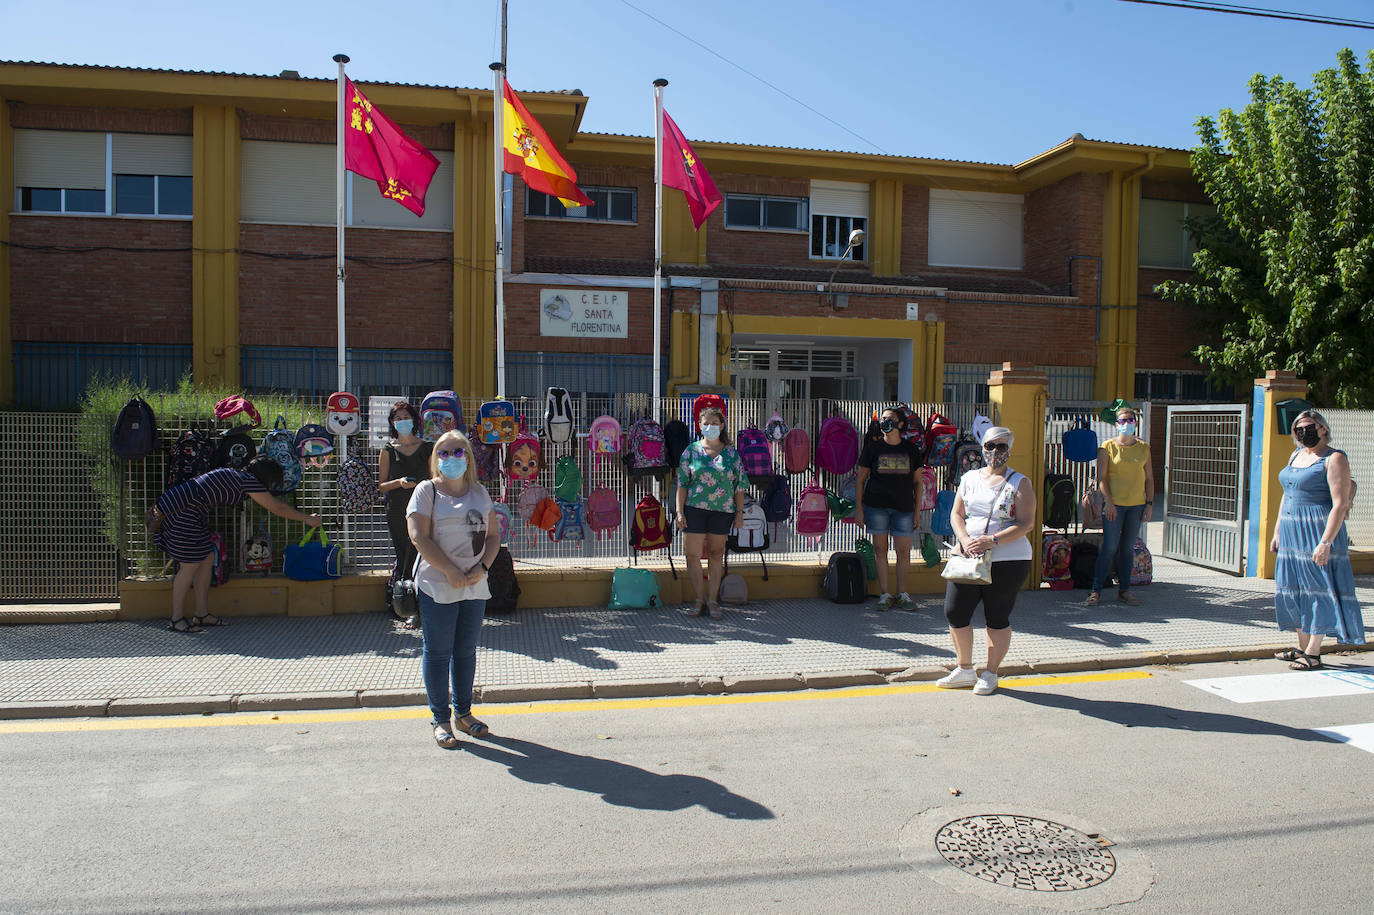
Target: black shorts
705 521
997 598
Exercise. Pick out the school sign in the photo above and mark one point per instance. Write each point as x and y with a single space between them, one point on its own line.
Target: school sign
586 313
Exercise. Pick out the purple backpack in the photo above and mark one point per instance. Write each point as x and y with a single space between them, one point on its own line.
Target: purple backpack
837 449
752 445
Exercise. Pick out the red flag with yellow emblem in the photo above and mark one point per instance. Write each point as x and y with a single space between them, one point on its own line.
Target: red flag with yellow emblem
682 170
376 148
530 154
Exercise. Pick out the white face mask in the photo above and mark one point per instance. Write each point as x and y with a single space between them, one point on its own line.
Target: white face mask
710 431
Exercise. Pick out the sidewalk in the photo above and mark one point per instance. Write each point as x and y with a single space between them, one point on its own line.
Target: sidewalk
282 662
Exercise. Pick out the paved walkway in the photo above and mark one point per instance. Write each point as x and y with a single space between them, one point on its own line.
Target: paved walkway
108 668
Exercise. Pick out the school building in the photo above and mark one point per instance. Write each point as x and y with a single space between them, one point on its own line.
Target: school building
167 221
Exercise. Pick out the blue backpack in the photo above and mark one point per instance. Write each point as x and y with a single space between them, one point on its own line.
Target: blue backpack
569 526
777 501
134 434
939 519
280 446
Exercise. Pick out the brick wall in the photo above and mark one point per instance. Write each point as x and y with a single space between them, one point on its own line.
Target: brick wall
100 296
585 239
522 321
995 331
118 120
1188 191
747 246
1063 220
286 302
915 227
315 130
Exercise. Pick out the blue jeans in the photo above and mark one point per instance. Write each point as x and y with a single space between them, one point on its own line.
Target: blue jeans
1118 537
451 632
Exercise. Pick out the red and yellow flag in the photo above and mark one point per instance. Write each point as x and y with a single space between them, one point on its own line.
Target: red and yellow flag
376 148
682 170
530 154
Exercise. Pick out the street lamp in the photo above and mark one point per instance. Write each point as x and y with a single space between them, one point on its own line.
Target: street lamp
855 238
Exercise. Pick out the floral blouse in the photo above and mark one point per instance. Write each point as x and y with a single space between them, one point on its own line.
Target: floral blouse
711 482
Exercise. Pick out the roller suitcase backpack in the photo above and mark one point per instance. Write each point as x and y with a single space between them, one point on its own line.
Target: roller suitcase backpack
845 581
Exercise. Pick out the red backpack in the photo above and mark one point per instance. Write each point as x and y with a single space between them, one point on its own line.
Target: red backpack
706 402
942 437
649 529
837 449
796 451
603 511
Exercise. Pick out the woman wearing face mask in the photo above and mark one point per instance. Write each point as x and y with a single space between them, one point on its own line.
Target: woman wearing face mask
1127 484
885 500
401 464
1314 589
449 517
994 509
710 501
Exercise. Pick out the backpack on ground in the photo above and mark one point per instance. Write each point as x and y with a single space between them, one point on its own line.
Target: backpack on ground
863 548
1060 499
192 454
1080 443
569 526
734 590
134 435
486 458
567 479
358 489
813 511
603 436
968 455
279 446
524 458
837 446
676 438
1055 553
314 445
257 552
1142 566
558 416
634 589
752 445
845 581
928 489
649 529
603 511
505 590
645 454
219 572
940 524
234 448
941 438
1083 563
496 422
796 451
440 412
1090 508
703 403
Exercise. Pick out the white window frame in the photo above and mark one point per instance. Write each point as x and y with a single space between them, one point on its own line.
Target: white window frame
976 230
842 205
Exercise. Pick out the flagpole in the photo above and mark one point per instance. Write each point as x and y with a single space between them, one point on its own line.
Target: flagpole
655 355
339 193
499 182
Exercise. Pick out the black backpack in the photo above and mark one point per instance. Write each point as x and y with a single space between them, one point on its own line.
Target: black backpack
505 590
676 438
190 455
234 448
134 435
1061 502
846 581
1082 564
968 455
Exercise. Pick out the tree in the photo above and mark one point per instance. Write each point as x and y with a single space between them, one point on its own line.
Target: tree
1283 275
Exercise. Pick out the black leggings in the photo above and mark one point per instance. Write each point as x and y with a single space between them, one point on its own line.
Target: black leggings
997 598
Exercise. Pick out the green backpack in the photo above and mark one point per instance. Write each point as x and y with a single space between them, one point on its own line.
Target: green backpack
634 589
567 479
864 547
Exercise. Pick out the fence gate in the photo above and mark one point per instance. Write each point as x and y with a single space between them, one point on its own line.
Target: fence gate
1204 493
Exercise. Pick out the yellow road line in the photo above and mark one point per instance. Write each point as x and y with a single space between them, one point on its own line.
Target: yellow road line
244 719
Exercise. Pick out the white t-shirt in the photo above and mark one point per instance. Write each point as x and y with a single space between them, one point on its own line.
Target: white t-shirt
978 497
459 527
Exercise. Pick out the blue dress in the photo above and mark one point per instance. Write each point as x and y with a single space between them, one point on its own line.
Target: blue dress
1307 597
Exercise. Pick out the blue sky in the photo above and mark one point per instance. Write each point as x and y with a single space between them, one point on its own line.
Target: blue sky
985 80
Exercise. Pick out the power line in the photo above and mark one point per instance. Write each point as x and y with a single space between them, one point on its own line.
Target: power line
1259 11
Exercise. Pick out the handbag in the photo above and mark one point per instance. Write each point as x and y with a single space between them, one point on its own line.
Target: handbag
312 560
973 570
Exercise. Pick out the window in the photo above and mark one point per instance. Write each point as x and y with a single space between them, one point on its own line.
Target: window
60 200
837 209
609 204
153 195
748 211
830 237
68 171
1163 240
969 229
1193 387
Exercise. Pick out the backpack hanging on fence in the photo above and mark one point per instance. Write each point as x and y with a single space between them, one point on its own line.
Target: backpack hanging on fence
219 572
813 511
645 454
777 501
343 415
567 479
1060 499
314 445
524 458
939 520
603 511
842 502
1080 443
845 581
529 501
968 455
649 529
279 445
257 552
558 416
930 550
1090 508
980 425
505 590
440 412
752 446
1083 563
928 489
941 438
192 454
837 447
703 403
603 436
569 526
233 406
796 451
676 438
503 520
776 429
234 448
486 458
134 435
358 490
752 534
915 432
545 515
496 422
1056 552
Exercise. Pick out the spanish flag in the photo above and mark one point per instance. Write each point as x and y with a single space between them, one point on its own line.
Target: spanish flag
530 154
376 148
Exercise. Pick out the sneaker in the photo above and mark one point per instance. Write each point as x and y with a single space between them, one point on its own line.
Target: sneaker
884 601
986 685
958 678
903 602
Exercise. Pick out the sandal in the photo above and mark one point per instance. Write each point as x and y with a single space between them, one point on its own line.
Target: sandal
1093 600
1288 654
183 625
412 622
1307 662
699 609
716 613
471 726
208 620
1126 597
444 738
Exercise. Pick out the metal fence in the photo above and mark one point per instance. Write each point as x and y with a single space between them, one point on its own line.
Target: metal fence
1064 415
312 371
55 375
1352 431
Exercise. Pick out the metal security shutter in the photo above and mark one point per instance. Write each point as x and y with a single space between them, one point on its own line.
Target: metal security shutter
288 182
839 198
59 158
370 208
151 154
970 229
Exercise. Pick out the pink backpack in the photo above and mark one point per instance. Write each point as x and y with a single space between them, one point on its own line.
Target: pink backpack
529 501
524 458
603 436
796 451
838 448
752 445
929 489
603 511
813 512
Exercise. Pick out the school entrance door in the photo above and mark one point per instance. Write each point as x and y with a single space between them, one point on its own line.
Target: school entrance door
1204 493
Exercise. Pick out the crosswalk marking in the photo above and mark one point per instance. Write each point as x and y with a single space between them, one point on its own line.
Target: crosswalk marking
1317 684
1357 735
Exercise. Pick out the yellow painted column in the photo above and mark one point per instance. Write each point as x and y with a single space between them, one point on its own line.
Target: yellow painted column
682 352
1116 332
928 363
7 182
682 244
1278 447
1019 392
216 202
474 261
885 227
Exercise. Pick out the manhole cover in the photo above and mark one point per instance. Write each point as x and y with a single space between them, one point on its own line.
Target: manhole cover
1026 853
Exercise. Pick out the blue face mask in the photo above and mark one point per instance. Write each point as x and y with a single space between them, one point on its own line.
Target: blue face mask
453 467
710 431
404 426
1126 428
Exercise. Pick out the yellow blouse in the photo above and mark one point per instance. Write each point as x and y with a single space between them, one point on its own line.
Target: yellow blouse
1126 471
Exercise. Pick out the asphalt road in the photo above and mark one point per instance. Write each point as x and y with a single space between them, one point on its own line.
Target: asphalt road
798 802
